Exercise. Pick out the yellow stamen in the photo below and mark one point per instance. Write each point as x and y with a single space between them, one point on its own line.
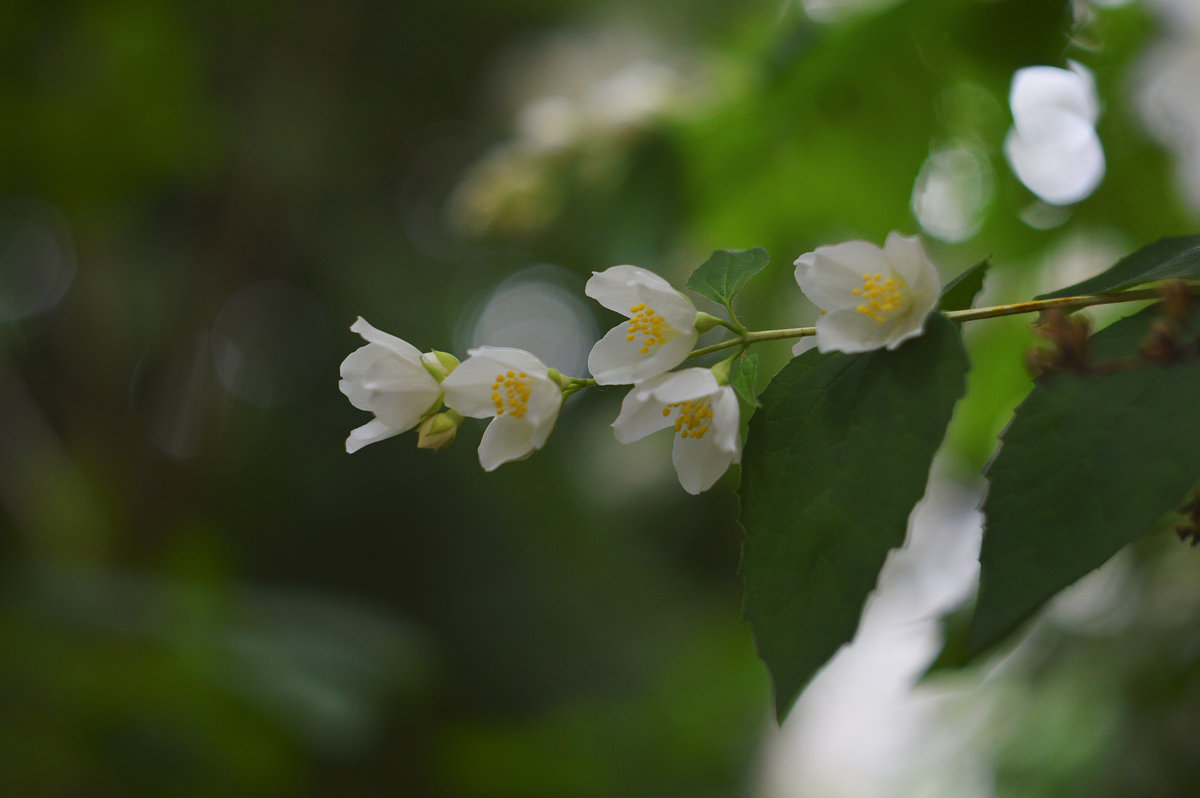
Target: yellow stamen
511 395
693 419
884 298
653 328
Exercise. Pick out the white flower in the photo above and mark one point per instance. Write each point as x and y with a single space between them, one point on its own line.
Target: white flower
1053 146
704 415
872 297
387 377
515 388
660 333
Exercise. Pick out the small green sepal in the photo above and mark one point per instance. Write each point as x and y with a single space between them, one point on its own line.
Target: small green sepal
745 379
722 370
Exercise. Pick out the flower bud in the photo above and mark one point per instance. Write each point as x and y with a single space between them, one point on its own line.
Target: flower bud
438 431
706 321
721 370
439 364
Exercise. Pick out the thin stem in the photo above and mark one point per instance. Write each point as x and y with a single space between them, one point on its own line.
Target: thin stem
754 338
971 314
1084 301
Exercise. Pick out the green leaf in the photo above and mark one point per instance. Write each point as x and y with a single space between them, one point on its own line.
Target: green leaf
956 652
960 292
723 275
1088 464
1164 259
745 379
834 462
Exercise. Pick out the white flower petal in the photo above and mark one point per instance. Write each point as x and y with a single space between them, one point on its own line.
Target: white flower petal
639 417
847 330
705 444
508 357
371 432
803 345
906 256
620 288
699 462
508 439
614 360
485 386
642 296
679 386
376 380
397 345
862 315
468 389
545 400
386 377
726 417
829 275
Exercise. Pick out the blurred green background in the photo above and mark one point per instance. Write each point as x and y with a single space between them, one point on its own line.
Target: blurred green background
203 595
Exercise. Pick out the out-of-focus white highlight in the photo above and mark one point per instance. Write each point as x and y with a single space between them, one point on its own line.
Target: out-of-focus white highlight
1168 91
1053 146
37 257
533 310
862 728
952 192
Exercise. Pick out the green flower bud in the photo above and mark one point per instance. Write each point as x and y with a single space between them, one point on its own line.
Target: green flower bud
439 364
706 321
438 431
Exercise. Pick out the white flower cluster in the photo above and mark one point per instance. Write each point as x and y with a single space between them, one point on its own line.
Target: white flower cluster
872 298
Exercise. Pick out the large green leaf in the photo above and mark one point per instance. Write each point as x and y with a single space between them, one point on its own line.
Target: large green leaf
960 292
1088 464
1165 258
835 459
723 275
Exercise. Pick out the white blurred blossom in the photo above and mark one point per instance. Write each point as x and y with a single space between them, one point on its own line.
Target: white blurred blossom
1168 91
1053 146
952 192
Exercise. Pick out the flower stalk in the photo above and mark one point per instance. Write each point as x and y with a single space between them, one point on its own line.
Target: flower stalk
971 314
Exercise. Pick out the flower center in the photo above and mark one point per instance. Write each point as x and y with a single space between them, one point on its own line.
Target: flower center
510 393
882 298
652 327
694 417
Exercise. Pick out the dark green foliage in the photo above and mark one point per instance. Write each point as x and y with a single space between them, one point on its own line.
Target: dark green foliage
745 379
1162 260
960 292
835 460
1088 465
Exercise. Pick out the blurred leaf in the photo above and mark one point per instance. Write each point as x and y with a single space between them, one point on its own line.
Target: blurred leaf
1164 259
834 462
1088 464
960 292
745 379
723 275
